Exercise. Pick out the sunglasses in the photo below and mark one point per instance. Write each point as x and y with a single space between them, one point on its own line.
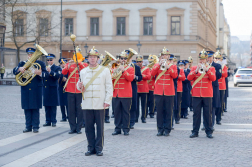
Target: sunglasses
139 61
124 58
49 60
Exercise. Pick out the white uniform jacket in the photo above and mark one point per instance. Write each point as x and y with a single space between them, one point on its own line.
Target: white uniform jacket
100 91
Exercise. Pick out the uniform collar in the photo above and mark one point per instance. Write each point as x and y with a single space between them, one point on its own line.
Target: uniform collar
93 68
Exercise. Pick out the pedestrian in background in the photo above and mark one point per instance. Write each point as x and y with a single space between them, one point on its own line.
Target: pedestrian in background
2 71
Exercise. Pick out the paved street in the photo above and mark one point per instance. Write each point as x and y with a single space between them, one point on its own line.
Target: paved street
54 147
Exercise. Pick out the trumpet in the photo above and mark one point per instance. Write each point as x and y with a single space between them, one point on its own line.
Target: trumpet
201 69
162 67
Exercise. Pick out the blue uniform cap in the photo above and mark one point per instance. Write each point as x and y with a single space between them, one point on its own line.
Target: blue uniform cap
210 53
186 62
171 57
30 50
180 62
62 59
50 56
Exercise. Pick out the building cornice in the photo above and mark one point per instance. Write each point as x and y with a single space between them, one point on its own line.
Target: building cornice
101 2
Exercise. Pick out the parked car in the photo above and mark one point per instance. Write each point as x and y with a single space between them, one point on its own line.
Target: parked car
243 76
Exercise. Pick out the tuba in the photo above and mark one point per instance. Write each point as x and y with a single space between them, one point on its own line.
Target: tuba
24 78
131 52
107 59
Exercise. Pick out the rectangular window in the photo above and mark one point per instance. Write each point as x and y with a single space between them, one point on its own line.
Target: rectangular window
94 26
43 26
68 26
19 27
148 25
120 25
175 25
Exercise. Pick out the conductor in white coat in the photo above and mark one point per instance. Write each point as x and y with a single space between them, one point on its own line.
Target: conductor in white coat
96 85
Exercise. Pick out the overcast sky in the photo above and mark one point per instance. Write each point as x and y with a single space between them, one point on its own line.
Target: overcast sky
239 17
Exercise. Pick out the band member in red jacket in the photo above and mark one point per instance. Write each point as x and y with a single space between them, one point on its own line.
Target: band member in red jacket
122 95
181 78
222 84
202 94
143 88
74 96
164 92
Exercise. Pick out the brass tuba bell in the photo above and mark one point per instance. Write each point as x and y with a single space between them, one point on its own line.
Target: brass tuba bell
24 78
107 59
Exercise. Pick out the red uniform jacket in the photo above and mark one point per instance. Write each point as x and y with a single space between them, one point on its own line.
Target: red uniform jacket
142 86
204 87
222 81
165 84
181 78
123 86
71 85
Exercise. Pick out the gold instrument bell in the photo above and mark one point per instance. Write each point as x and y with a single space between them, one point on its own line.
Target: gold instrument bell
24 78
107 59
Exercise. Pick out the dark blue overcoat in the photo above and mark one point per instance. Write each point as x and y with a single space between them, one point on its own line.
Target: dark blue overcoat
31 94
50 88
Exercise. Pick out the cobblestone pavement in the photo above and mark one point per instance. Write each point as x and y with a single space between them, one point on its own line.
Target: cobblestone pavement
231 145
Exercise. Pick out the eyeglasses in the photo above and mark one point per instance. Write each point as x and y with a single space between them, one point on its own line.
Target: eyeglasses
124 58
139 61
49 60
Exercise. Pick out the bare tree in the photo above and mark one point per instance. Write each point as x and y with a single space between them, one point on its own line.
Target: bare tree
29 24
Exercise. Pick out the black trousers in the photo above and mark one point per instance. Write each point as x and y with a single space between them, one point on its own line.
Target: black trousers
143 97
122 113
2 74
64 112
94 117
51 112
164 112
75 114
206 104
107 114
225 102
151 102
177 113
222 98
31 118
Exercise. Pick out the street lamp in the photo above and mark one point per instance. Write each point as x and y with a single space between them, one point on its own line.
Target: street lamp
61 29
139 46
86 47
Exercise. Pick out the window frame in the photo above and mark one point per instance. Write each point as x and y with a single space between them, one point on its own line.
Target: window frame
18 26
175 22
121 23
148 34
97 29
67 24
45 28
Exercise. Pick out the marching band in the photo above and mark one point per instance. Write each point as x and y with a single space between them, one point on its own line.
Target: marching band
84 91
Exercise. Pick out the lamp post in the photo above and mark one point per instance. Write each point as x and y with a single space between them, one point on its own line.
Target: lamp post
86 47
61 30
139 46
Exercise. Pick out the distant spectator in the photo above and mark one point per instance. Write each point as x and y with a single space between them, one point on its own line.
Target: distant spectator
2 71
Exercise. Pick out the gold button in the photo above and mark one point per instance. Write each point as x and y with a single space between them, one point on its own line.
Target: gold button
45 86
45 80
30 89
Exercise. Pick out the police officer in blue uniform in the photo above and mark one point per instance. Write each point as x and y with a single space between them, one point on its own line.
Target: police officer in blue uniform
134 115
50 91
186 92
216 93
31 94
62 93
